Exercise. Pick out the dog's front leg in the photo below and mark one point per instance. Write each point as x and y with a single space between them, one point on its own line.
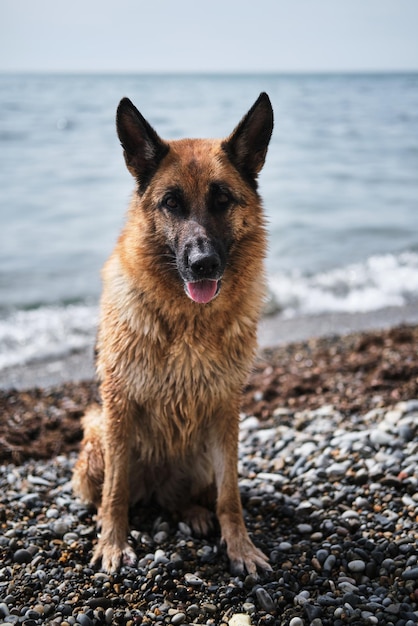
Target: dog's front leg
242 553
112 548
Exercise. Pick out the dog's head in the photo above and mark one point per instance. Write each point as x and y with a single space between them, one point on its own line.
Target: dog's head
200 195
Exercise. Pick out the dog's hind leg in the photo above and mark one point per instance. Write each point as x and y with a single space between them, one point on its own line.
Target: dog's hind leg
88 472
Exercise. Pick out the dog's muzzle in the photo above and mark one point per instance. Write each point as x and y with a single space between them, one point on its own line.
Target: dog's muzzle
202 272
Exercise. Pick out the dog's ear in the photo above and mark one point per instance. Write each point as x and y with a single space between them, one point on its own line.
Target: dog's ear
143 148
248 143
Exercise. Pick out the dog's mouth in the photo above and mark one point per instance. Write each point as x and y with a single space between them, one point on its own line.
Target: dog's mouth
203 291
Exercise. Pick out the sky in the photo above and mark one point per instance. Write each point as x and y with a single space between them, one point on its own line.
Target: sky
208 36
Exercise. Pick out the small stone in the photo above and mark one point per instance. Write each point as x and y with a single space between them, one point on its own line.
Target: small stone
239 619
193 580
84 620
356 566
337 469
381 438
60 528
393 416
249 607
329 563
301 599
410 574
296 621
193 610
350 514
304 529
160 557
250 423
160 537
178 618
264 600
38 480
22 556
29 499
184 529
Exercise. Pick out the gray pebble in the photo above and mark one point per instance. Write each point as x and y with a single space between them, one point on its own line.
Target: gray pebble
178 618
60 528
161 536
381 438
357 566
30 499
84 620
22 556
193 610
304 529
184 529
249 607
264 600
410 574
329 563
193 580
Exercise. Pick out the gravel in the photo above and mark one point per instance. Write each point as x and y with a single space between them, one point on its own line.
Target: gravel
333 501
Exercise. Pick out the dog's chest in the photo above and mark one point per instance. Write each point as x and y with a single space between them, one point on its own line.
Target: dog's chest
186 370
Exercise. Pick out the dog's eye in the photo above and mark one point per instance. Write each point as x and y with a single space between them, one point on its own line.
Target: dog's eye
222 200
171 203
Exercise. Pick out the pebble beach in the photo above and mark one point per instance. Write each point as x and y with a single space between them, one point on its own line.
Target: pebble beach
328 466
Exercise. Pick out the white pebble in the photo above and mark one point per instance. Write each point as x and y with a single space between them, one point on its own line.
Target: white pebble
250 423
380 437
265 434
239 619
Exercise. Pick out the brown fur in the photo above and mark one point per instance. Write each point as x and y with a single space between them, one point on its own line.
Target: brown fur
172 369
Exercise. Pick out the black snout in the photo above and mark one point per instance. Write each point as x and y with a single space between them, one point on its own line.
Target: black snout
202 259
205 264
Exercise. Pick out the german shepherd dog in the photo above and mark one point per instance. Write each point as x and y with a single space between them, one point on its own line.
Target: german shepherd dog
182 294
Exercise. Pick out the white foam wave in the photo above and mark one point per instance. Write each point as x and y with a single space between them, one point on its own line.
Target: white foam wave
46 332
381 281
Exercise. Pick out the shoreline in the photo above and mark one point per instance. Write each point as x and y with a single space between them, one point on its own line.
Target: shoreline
274 330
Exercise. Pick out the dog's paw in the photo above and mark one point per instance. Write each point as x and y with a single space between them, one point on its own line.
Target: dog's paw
245 558
199 519
112 557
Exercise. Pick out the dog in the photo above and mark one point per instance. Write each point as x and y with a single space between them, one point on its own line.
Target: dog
182 294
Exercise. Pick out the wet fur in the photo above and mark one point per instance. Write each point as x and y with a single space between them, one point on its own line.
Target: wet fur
172 370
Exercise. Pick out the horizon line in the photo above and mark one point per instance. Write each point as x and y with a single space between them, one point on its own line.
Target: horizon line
206 72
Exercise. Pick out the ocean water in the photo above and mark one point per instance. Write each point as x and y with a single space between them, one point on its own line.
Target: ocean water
340 190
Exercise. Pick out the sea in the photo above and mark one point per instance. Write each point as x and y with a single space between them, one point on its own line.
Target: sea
340 191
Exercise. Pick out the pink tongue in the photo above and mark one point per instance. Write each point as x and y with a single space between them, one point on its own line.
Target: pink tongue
202 291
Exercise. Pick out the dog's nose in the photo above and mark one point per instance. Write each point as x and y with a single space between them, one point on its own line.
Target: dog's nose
204 264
